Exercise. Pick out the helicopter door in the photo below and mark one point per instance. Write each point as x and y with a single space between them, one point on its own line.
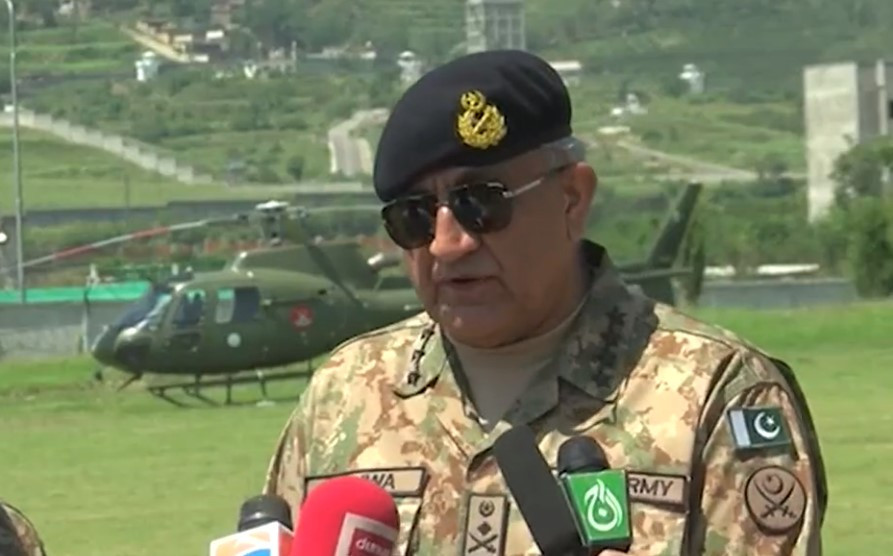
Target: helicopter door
187 321
239 330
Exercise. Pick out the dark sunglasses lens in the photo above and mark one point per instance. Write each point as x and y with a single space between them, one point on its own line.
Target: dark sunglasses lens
410 222
481 208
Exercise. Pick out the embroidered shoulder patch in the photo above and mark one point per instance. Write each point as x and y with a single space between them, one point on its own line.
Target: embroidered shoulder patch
486 524
775 499
758 427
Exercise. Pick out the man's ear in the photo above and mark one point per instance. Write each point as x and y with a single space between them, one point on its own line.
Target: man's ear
579 190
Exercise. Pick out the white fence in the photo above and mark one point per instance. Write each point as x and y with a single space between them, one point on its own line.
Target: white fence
137 152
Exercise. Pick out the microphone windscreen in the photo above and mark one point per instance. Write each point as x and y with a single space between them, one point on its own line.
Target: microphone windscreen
347 516
262 509
580 454
539 498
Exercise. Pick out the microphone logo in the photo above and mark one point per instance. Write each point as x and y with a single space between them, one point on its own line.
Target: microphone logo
603 512
368 543
361 536
601 505
267 540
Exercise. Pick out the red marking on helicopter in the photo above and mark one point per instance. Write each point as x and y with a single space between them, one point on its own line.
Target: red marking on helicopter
301 316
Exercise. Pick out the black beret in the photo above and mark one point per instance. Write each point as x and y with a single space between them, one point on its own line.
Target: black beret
476 110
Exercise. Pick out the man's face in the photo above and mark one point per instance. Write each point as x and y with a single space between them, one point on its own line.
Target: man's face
496 288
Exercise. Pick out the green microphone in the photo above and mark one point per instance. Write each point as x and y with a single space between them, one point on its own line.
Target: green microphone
597 495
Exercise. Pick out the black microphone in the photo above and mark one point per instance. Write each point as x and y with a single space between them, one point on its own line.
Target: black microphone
10 543
540 500
579 454
598 495
264 527
262 509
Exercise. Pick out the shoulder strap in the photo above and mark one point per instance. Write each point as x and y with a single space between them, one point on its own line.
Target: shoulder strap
810 435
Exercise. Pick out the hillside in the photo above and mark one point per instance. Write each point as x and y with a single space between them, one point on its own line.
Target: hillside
274 130
745 45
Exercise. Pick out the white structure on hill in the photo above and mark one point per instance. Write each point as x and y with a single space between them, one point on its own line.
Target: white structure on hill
494 24
844 104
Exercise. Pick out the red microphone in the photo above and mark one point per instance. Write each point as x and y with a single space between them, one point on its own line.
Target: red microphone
347 516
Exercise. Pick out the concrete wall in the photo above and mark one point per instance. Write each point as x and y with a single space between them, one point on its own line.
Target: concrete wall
780 294
52 329
844 104
831 111
57 329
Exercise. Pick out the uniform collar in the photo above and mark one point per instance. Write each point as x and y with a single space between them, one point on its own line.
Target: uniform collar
602 348
612 329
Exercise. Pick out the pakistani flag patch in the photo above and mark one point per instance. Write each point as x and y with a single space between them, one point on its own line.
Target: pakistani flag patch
758 427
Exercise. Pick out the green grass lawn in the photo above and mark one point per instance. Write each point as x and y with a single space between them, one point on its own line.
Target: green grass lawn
125 474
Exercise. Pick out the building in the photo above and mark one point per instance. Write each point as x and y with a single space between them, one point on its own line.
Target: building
844 104
569 70
494 24
224 13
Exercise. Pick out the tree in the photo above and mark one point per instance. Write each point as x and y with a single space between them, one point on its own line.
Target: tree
295 167
863 170
871 248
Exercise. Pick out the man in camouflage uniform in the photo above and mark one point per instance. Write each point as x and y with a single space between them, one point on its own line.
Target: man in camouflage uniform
18 537
529 323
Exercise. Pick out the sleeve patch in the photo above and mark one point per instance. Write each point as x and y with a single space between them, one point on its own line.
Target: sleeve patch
775 499
758 427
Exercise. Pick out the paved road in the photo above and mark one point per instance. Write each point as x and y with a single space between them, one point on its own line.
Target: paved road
157 46
694 169
350 154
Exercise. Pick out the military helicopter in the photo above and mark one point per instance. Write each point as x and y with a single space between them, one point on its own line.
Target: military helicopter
283 303
291 300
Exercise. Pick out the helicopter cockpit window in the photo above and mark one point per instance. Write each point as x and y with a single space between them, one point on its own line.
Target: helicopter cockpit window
153 318
189 311
237 304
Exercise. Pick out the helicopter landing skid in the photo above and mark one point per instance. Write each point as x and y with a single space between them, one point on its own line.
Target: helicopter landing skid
194 388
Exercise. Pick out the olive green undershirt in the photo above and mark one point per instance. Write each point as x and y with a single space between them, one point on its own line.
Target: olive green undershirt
497 377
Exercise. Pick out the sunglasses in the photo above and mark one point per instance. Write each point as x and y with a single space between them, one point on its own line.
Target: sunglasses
479 207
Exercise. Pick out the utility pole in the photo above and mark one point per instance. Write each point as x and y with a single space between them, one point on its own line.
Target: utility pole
16 162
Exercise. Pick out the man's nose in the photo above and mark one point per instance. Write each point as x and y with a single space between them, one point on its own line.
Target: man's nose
451 240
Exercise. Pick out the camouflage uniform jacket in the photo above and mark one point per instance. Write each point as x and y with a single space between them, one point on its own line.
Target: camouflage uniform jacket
17 534
653 387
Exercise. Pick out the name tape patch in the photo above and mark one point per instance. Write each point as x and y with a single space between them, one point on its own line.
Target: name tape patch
486 524
397 481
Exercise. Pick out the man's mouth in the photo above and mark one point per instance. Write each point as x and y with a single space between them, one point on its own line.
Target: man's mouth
463 280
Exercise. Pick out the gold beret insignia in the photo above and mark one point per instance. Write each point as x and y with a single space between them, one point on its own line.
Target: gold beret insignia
480 125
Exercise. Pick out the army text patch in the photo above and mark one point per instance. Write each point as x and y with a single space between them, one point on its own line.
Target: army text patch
657 488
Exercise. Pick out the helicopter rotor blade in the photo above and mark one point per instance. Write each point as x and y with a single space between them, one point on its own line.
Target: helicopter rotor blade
240 218
305 211
132 236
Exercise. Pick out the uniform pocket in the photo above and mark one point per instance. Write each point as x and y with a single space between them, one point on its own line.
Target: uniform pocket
657 530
